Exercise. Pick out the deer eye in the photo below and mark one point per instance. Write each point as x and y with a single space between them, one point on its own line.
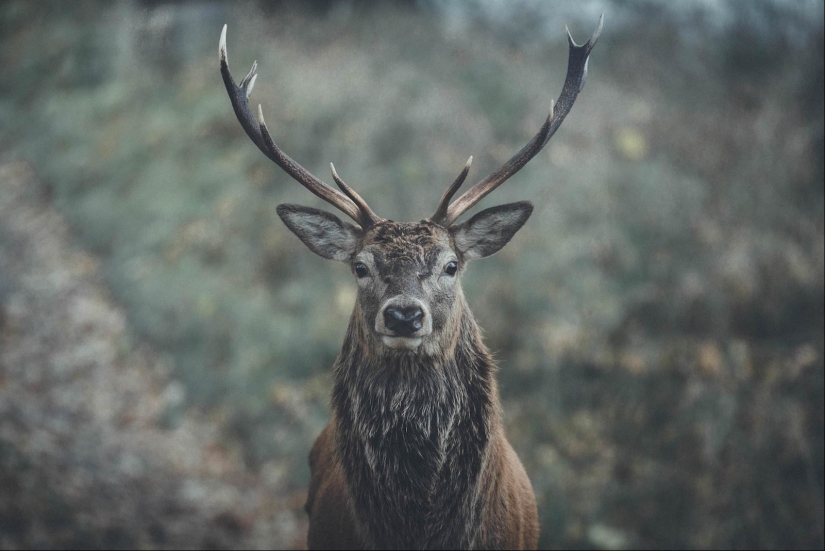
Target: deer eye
451 268
361 270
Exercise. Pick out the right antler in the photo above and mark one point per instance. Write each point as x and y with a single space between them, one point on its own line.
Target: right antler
349 202
576 74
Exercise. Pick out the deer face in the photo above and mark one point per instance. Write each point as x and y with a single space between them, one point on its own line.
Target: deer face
407 273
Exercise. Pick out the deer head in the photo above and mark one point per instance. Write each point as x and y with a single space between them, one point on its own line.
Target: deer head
408 274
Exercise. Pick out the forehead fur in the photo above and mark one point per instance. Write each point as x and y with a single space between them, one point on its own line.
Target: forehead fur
407 241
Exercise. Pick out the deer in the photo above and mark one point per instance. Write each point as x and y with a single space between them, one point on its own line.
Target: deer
415 455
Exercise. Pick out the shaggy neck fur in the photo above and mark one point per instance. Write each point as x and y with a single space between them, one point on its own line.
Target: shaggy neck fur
413 436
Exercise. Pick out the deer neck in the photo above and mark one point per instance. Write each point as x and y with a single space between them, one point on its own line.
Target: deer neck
413 435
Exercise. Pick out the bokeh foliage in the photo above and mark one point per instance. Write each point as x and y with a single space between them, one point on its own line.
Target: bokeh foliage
659 321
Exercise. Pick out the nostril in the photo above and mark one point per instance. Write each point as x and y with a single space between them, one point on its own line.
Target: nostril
394 314
403 321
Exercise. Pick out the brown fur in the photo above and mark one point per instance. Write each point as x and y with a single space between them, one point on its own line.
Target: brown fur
415 454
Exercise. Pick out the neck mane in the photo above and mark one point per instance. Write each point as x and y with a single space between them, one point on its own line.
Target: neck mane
412 435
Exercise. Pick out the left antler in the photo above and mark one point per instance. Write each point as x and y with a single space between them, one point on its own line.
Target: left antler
573 84
349 202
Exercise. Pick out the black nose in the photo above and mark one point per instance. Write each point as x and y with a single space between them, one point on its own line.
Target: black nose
403 321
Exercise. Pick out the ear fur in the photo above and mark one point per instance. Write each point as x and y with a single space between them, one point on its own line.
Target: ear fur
489 230
325 234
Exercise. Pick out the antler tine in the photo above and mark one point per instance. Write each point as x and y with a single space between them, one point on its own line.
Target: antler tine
573 84
368 217
258 133
444 203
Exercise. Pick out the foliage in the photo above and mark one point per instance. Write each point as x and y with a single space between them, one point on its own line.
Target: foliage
659 320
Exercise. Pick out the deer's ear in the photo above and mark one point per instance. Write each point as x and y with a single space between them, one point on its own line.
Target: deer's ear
489 230
325 234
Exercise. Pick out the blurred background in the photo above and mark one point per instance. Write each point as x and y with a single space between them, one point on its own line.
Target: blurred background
166 343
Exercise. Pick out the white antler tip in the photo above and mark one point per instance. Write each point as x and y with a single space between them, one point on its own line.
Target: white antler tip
222 44
570 38
250 85
469 162
598 32
338 180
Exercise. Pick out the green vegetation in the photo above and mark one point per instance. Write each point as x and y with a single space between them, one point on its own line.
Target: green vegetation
659 321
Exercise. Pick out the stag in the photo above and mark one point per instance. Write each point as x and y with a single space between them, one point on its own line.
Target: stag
415 454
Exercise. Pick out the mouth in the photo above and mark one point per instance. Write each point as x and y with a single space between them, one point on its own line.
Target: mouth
408 343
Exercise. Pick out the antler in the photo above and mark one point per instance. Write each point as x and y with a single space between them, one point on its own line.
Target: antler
351 204
573 84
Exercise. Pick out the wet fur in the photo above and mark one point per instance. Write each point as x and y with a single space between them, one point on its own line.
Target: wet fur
415 454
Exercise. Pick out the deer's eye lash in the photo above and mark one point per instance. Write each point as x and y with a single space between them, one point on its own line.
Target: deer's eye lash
361 270
451 268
